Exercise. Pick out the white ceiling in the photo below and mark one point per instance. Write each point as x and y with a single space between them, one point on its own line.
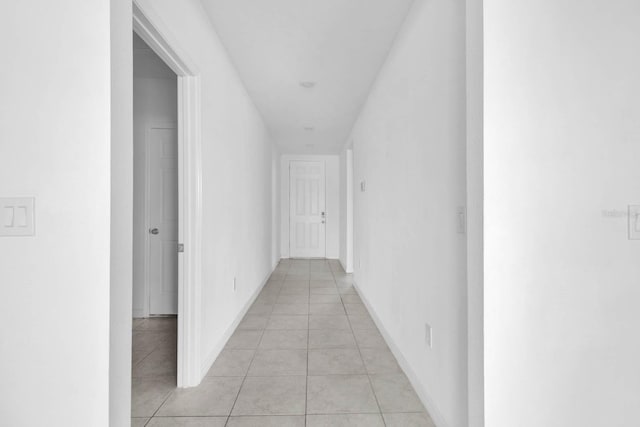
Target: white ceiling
339 44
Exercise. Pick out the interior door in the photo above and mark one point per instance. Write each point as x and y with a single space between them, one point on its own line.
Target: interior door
163 220
307 217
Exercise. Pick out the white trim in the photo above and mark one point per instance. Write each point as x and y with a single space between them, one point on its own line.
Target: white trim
213 355
343 267
150 29
431 407
190 232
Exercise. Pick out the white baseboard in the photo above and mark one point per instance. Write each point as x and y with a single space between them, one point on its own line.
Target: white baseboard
344 267
213 355
138 313
427 401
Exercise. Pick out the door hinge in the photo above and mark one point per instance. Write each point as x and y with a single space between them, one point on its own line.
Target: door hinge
180 247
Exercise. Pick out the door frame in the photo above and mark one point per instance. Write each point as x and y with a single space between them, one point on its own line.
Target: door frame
147 210
150 29
324 165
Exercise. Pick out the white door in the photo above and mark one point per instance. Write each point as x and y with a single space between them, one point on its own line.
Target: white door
163 220
307 215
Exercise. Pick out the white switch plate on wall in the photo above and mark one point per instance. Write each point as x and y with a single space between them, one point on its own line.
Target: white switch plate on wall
18 216
634 222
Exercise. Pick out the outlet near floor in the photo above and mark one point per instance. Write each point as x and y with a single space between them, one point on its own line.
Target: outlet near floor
428 335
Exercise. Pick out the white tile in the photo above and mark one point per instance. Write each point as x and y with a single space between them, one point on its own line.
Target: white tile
267 421
187 422
409 420
284 339
345 420
395 393
335 361
271 396
279 362
231 363
213 397
336 394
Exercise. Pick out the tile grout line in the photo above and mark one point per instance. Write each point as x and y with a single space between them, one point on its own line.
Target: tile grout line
162 404
168 394
375 396
246 373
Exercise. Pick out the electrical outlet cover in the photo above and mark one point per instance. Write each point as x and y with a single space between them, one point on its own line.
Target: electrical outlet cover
428 335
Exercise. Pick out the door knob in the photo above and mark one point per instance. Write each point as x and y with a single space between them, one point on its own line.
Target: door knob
154 231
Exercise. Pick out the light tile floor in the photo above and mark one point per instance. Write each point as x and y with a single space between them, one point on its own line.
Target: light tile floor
306 354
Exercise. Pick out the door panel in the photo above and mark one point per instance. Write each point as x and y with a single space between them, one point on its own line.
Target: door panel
307 210
163 216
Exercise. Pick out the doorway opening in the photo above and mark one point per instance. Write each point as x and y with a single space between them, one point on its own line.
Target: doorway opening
168 169
155 220
155 188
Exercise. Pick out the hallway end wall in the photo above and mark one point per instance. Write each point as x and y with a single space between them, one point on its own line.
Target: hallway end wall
409 149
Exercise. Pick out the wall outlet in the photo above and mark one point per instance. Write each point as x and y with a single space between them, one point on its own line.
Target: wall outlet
428 335
234 284
363 186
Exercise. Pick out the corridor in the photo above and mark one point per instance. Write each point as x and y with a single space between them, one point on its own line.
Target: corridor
307 353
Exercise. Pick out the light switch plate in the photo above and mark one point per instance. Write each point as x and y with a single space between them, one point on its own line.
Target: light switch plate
634 222
18 216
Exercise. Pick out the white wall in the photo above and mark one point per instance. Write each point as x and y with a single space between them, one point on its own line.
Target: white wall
562 143
332 170
346 209
237 161
475 211
155 100
55 146
121 218
409 147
